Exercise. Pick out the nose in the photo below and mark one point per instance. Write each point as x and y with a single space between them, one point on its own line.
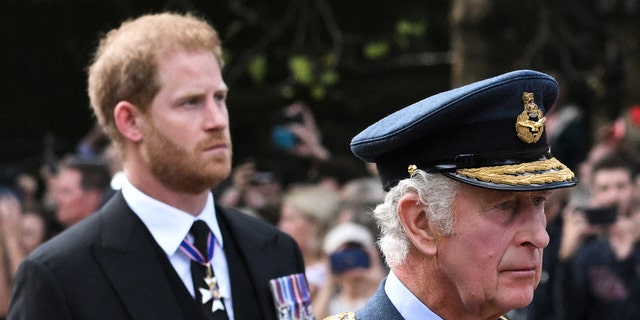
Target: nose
534 231
216 116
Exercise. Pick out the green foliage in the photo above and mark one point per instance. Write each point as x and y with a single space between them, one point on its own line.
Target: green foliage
258 68
376 50
312 75
415 29
329 77
408 31
301 68
318 92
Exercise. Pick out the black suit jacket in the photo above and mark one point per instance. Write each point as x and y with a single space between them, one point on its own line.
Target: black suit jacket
105 267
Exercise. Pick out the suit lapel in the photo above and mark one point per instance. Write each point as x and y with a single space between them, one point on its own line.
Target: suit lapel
253 247
128 259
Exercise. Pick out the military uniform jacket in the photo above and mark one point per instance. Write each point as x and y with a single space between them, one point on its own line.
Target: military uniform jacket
106 267
379 307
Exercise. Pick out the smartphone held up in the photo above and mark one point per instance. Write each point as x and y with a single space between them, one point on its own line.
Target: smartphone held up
605 215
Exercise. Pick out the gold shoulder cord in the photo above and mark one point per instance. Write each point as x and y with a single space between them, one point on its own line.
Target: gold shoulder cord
342 316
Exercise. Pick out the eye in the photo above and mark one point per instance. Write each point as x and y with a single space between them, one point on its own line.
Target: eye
504 211
539 201
191 101
506 205
220 96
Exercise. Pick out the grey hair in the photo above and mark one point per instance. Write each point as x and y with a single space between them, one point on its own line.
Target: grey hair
435 196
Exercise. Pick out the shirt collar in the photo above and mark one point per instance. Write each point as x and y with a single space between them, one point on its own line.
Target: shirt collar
407 304
168 225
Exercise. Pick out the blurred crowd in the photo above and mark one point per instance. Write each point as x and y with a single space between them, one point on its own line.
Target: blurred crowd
591 266
35 208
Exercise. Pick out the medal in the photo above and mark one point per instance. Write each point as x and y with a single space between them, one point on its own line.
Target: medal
292 297
213 292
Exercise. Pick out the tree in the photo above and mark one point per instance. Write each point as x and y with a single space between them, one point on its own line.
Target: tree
351 61
594 44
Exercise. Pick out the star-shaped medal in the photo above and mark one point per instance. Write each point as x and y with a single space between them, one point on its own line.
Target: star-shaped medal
208 295
213 292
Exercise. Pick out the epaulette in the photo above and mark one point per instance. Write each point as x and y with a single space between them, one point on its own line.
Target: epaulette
342 316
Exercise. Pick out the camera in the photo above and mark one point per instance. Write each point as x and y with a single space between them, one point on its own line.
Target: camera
281 136
348 259
605 215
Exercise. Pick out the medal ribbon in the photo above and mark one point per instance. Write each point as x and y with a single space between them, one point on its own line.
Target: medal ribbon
194 254
292 297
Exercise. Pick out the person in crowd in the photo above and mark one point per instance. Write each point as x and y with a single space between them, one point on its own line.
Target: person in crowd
80 188
467 172
359 197
625 129
10 252
160 248
27 186
20 233
33 228
581 193
613 185
114 163
297 144
254 192
336 172
307 213
600 254
92 145
355 267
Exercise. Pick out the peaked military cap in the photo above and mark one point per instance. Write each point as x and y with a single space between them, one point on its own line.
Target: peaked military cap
488 134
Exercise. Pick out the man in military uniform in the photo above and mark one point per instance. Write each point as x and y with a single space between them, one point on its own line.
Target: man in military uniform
463 224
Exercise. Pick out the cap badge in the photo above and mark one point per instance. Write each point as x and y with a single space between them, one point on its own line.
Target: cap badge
412 169
530 123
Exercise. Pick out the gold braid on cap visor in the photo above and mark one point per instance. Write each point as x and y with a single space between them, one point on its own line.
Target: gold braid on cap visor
539 172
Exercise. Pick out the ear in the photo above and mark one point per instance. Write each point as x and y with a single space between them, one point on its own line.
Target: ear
128 119
417 225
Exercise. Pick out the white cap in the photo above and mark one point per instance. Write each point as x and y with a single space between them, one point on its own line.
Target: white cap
347 232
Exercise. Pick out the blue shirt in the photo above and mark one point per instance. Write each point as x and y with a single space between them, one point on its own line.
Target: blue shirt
407 304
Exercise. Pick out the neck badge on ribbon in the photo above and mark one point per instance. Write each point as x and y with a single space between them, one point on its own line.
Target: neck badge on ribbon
213 291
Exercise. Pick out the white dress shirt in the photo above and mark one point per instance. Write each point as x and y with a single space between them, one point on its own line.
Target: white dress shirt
169 226
407 304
